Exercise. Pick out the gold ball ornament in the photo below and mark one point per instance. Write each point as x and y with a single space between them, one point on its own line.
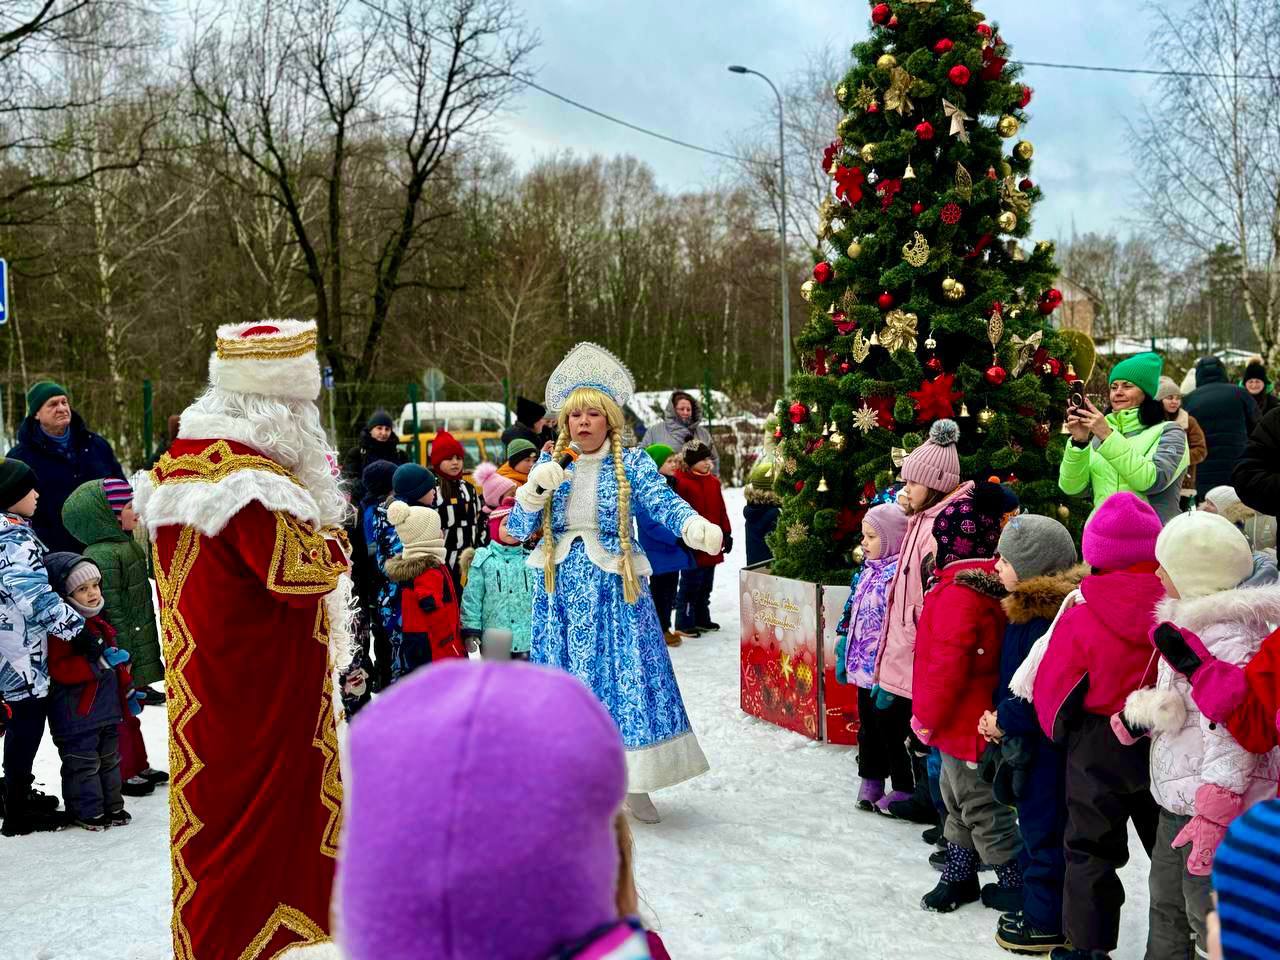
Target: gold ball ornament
858 555
855 250
887 61
1007 126
956 292
868 152
1005 169
1063 511
842 94
948 284
1045 246
985 416
1024 150
1008 221
806 290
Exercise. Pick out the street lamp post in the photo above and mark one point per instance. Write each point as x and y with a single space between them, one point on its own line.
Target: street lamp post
782 228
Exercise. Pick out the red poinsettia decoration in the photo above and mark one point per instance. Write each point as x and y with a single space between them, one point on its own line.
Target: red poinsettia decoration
886 190
844 326
883 406
847 523
936 398
829 154
992 64
849 181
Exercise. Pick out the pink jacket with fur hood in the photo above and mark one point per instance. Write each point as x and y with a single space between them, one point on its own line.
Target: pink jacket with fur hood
896 658
1187 750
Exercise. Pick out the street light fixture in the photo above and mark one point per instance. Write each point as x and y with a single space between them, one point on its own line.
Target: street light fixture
782 227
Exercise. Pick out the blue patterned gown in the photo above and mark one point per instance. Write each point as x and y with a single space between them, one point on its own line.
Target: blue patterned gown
586 626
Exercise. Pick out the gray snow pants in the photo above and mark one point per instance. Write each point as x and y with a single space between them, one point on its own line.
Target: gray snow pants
1179 901
976 820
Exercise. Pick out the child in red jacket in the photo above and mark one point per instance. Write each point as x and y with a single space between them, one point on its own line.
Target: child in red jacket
701 490
431 625
954 680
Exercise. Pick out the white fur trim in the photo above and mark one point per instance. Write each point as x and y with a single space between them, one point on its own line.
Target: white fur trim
291 378
1024 678
209 507
1160 711
1254 607
665 764
314 951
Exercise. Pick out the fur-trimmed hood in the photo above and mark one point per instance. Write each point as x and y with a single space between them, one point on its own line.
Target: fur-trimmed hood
1041 597
761 496
1254 608
407 569
983 582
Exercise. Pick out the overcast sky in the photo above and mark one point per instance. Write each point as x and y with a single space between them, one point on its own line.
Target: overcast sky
661 64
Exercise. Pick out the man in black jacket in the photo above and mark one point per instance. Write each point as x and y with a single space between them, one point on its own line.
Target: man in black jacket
1257 475
64 453
531 424
1227 415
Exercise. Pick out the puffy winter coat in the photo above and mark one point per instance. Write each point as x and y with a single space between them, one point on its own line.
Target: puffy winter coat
675 433
1187 750
126 579
895 659
957 665
1148 461
702 492
429 617
1227 414
1255 722
30 612
666 552
761 517
368 451
59 471
1197 448
863 620
499 594
1257 474
1100 651
1029 608
85 696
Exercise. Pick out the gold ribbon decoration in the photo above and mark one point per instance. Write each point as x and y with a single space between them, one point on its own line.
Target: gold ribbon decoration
1013 198
897 454
916 252
899 86
899 332
861 349
958 118
1024 350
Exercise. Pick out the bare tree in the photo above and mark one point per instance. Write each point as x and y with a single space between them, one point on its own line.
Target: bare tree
1123 277
297 88
1209 149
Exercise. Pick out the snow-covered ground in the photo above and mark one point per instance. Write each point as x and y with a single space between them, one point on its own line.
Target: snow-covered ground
763 858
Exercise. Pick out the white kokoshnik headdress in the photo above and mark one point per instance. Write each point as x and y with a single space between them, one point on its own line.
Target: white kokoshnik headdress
273 358
589 365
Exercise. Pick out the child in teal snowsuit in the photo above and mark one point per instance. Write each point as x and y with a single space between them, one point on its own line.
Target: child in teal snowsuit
498 598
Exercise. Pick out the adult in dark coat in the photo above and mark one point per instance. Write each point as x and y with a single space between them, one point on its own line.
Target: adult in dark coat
54 442
378 441
1227 414
530 424
1258 386
682 424
1257 474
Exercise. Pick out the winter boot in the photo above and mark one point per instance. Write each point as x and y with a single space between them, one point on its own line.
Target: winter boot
1019 936
120 818
710 626
94 824
959 883
914 807
641 808
137 787
23 822
674 639
1067 953
934 835
37 801
154 777
153 698
1005 896
872 791
897 798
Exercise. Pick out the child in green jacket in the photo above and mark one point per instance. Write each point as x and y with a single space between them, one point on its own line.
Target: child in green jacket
498 599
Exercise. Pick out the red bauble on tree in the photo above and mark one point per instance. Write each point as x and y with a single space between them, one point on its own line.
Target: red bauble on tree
958 75
881 13
1025 184
1053 367
885 301
1026 97
799 486
943 46
917 208
822 271
849 181
798 412
924 131
933 365
995 374
936 399
1050 300
984 30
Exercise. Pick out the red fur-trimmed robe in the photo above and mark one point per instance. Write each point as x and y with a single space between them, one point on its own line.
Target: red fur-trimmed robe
255 797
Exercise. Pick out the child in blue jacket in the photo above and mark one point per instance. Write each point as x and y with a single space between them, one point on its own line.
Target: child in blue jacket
667 555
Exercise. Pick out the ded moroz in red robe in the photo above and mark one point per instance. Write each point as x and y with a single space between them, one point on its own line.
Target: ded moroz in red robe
255 797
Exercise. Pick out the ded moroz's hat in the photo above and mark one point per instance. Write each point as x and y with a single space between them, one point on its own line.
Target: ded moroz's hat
272 358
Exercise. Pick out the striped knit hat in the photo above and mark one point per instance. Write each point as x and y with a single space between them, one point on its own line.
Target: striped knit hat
1246 875
119 494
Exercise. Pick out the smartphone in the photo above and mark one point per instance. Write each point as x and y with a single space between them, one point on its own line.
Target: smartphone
1075 400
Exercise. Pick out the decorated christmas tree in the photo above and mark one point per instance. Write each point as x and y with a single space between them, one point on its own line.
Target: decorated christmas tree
927 306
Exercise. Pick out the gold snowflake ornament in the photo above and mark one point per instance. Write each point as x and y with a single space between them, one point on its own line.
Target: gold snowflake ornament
866 419
796 533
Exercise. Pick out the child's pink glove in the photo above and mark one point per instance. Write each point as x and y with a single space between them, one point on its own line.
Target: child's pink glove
1216 807
1216 687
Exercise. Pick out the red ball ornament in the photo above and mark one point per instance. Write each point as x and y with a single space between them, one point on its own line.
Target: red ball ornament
984 30
822 271
844 366
1055 366
917 208
1026 97
873 106
958 75
1025 184
881 13
799 486
885 301
933 365
995 375
799 412
943 46
893 22
951 214
924 131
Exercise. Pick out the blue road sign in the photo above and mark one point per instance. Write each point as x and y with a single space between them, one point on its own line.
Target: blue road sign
327 378
4 291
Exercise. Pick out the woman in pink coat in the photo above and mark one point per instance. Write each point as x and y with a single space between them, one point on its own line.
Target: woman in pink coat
932 473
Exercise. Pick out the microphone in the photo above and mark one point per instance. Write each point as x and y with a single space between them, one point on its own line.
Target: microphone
570 453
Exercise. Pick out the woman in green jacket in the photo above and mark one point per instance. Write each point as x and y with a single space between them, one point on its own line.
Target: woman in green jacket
1132 446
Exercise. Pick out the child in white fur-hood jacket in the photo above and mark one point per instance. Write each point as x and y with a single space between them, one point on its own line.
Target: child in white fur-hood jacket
1200 776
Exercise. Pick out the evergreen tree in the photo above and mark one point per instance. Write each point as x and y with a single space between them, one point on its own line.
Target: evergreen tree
927 306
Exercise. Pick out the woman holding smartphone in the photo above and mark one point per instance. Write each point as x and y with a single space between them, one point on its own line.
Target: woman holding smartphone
1130 446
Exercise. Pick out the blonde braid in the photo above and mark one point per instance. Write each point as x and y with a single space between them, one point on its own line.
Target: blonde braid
548 536
630 583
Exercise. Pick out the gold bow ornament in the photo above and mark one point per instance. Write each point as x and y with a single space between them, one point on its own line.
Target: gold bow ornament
899 332
958 118
899 86
1024 350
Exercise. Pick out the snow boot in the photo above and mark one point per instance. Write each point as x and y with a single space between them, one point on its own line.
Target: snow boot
872 791
137 787
120 818
674 639
959 883
710 626
154 776
1019 936
21 824
641 808
153 698
934 835
910 807
94 824
37 801
1005 896
1067 953
897 797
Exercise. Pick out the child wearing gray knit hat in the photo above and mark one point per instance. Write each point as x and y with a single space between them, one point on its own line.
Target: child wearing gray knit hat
1034 545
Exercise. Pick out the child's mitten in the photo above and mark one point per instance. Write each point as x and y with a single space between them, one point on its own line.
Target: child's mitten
1216 807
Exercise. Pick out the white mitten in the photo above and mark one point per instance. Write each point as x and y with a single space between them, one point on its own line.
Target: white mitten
701 535
542 483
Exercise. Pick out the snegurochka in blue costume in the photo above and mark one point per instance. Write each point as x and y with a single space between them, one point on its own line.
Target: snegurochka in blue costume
592 612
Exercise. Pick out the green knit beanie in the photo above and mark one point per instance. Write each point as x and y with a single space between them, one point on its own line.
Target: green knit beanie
1142 370
660 452
762 474
41 393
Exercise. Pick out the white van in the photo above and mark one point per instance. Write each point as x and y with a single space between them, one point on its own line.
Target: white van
455 416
